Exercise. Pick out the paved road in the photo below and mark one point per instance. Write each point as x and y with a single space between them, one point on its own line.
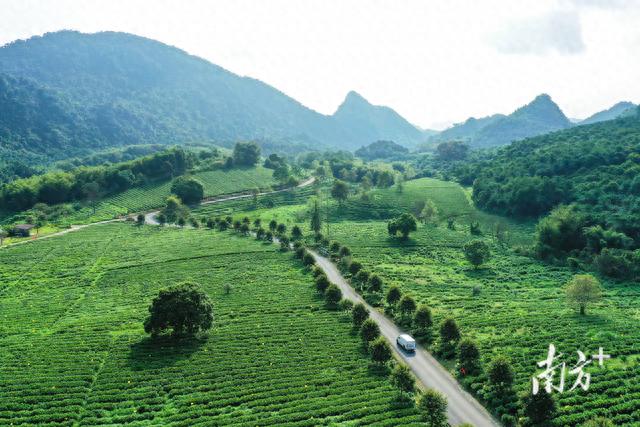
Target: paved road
150 217
462 407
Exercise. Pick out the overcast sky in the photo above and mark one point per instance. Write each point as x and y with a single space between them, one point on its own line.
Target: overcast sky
435 62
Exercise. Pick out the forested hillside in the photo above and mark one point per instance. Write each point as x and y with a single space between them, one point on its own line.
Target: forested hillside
618 110
540 116
594 168
67 94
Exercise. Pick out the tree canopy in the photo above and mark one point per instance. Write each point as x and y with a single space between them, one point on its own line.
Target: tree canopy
183 308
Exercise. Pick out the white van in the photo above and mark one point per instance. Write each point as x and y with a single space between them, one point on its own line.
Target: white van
406 342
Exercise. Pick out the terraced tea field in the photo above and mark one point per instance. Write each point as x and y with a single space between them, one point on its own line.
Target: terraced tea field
521 306
153 195
73 352
520 310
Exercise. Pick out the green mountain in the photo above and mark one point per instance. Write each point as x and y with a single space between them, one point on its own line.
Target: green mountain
466 130
619 109
69 94
368 123
387 150
596 166
540 116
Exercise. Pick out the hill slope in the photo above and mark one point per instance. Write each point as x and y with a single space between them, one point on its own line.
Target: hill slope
609 114
540 116
75 351
124 89
368 123
596 166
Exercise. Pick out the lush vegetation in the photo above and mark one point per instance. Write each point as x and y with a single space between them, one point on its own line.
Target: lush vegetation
387 150
74 351
540 116
510 308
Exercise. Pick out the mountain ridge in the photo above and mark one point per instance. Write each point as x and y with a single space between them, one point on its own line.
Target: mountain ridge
131 89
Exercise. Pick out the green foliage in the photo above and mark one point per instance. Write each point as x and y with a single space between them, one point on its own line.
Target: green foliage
355 267
387 150
433 408
501 374
332 295
340 191
375 283
359 314
561 231
452 150
369 331
62 334
403 379
407 306
468 356
174 210
598 422
184 309
307 259
393 295
322 283
246 154
422 320
189 189
429 213
449 331
58 187
477 252
540 408
380 351
404 224
594 167
583 289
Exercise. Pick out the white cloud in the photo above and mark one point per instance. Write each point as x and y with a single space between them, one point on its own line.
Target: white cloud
558 31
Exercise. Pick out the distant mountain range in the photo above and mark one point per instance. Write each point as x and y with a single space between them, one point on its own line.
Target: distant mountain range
68 93
620 109
540 116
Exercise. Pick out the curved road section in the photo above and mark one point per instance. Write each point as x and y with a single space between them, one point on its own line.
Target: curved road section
150 217
462 407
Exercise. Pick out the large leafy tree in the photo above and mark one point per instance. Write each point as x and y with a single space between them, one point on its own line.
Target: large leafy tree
433 408
477 252
246 154
583 289
404 224
340 191
184 309
189 189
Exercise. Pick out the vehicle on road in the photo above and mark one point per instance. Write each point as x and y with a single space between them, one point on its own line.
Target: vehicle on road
406 342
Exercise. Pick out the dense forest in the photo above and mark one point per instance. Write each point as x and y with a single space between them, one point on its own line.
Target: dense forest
92 183
540 116
594 169
68 94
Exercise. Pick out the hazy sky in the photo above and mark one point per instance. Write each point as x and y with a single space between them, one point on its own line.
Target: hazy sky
435 62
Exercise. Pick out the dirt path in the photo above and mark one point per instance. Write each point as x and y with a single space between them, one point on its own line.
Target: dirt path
462 407
150 216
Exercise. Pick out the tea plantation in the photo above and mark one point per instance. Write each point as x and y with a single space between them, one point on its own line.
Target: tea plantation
73 350
153 195
513 306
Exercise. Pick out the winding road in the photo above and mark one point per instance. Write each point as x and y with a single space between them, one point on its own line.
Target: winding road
462 407
150 217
